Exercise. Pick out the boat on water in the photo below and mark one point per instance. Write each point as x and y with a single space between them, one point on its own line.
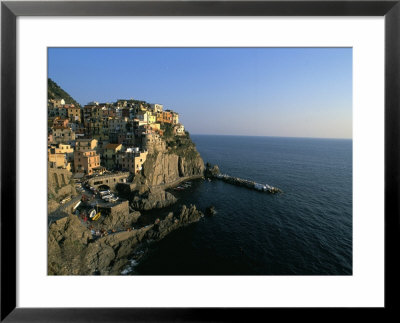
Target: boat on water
92 213
96 217
76 206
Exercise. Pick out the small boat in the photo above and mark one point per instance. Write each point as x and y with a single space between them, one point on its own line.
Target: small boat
76 206
92 213
96 217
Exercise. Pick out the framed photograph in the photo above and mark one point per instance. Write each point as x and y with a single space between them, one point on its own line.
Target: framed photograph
198 160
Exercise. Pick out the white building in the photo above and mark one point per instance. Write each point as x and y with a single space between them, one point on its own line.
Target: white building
156 107
179 129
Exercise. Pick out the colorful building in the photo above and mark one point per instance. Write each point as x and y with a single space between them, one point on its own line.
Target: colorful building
132 159
85 144
57 159
110 155
156 107
86 162
164 116
74 113
63 135
60 122
179 130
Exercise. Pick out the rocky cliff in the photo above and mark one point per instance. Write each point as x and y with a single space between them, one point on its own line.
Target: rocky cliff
163 167
72 250
152 199
59 186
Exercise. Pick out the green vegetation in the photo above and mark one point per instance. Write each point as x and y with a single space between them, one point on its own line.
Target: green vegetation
180 145
168 131
132 102
54 91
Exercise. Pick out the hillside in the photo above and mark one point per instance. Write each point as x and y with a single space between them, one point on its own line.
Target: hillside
54 91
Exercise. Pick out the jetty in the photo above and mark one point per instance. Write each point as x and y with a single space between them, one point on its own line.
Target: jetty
246 183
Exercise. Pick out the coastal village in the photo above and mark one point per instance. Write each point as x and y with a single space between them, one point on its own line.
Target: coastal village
108 164
106 137
100 145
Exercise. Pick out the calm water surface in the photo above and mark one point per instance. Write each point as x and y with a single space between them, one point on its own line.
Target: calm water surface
307 230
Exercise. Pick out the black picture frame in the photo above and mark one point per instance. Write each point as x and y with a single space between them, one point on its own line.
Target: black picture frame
10 10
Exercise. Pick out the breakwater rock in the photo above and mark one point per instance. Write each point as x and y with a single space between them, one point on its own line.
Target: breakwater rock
152 199
211 171
210 211
72 249
185 216
249 184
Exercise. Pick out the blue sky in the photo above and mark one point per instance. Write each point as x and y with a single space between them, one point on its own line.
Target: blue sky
291 92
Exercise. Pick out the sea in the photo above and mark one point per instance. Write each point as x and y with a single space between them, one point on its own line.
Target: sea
306 230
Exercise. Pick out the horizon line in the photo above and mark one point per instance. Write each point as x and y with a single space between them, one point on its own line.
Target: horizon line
297 137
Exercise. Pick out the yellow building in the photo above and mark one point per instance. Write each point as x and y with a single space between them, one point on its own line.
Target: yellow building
151 118
103 136
67 150
117 124
57 103
85 144
64 149
63 135
175 117
143 116
97 112
73 113
110 155
132 160
57 159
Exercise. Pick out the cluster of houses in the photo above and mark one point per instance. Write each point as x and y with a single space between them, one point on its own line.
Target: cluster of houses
106 136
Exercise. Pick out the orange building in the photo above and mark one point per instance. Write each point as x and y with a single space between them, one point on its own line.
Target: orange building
164 116
60 122
86 162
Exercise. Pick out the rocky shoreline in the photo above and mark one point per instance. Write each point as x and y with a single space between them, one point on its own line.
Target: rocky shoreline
152 199
77 246
73 250
108 246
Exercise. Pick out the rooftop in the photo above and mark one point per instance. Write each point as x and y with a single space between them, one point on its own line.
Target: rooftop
112 146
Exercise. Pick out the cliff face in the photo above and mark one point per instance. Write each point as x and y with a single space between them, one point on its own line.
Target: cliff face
73 251
166 166
59 186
